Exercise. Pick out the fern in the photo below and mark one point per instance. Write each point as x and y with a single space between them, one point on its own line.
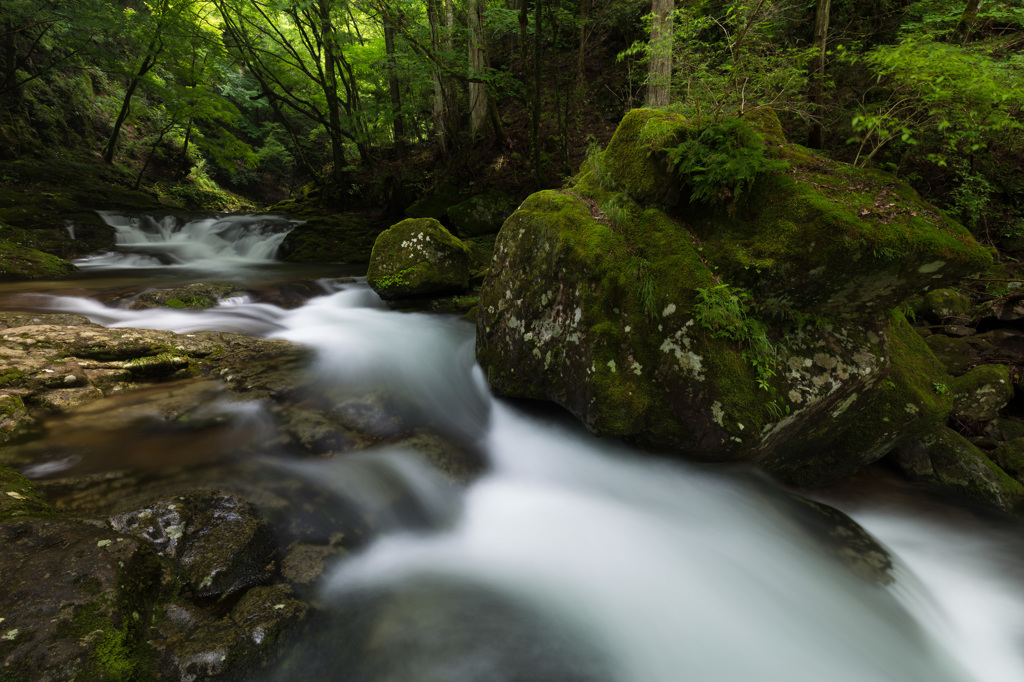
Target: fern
721 161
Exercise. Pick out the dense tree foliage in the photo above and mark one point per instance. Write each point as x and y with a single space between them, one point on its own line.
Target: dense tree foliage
266 95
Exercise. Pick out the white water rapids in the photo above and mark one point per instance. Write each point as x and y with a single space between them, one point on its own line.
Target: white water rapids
579 559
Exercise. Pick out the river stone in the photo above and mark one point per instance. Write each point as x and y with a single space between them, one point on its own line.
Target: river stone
199 295
190 644
76 601
481 214
418 257
1010 457
945 306
949 462
980 394
219 540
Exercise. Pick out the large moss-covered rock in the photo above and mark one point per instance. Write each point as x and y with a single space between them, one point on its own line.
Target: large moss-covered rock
481 214
598 317
820 236
754 331
418 257
20 262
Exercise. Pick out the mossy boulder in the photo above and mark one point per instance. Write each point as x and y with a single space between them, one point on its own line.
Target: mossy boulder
20 262
1010 457
945 305
418 257
481 214
199 295
950 463
820 236
892 410
979 394
755 331
634 161
599 317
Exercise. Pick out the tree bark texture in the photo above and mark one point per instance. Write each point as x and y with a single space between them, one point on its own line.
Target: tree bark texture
659 76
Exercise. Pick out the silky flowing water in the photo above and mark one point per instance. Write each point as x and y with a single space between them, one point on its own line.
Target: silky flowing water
575 558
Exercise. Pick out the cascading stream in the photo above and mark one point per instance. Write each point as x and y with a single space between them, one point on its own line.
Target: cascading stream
579 559
205 243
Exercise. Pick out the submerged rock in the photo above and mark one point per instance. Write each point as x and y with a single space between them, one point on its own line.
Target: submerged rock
418 257
748 331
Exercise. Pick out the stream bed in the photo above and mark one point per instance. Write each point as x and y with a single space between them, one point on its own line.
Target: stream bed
570 557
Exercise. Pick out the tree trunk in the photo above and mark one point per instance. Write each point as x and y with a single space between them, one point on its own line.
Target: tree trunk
477 45
538 179
817 93
967 19
126 104
331 92
394 87
659 77
441 131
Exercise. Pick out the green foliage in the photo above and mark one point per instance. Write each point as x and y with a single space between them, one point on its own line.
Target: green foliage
721 161
734 56
726 312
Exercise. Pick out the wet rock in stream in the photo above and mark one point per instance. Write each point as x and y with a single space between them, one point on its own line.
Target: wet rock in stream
219 541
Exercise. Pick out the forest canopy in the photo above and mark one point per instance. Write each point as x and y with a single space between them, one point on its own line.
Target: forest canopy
361 96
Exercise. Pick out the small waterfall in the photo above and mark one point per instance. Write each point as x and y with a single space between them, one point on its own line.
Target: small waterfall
214 242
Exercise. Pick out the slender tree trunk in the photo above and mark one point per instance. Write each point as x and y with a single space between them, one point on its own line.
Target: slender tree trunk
394 87
331 92
441 131
477 91
659 77
817 94
967 19
148 62
152 151
538 179
183 164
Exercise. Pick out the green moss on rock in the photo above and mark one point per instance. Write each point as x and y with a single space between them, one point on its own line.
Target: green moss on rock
19 499
949 462
979 394
942 305
418 257
635 162
19 262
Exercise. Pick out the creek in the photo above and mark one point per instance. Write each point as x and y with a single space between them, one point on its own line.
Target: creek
571 558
